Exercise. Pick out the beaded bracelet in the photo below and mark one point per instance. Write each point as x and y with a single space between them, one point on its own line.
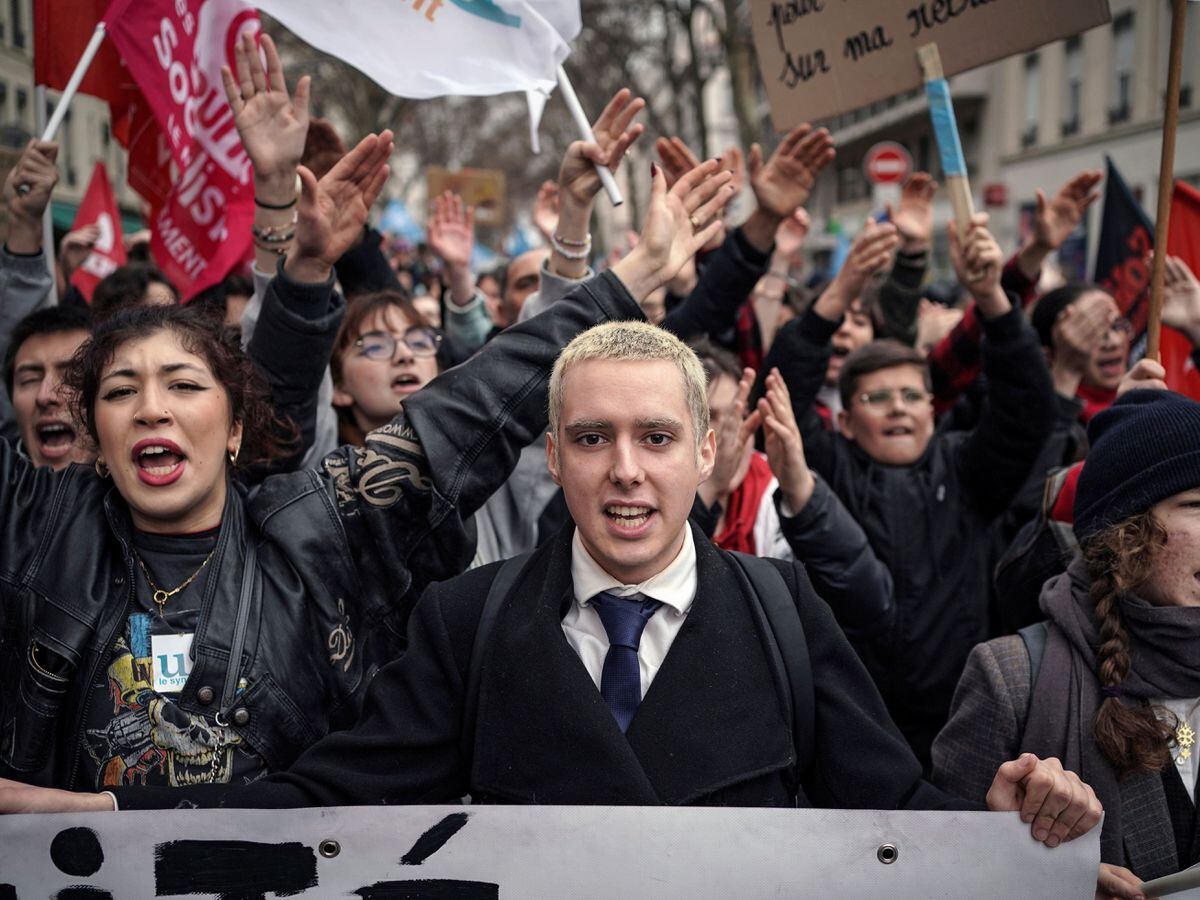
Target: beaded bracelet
559 239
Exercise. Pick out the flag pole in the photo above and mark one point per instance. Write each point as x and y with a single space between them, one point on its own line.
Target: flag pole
585 132
1166 177
39 116
68 94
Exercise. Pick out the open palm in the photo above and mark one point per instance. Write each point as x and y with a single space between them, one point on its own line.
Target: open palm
271 124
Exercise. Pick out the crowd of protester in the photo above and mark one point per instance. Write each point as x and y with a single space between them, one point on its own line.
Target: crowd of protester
235 531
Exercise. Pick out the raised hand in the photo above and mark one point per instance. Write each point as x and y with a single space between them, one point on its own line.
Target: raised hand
783 183
615 132
332 211
676 157
1181 299
733 443
782 441
452 229
27 192
545 210
977 262
914 217
75 248
1078 332
790 235
678 223
1060 215
271 123
872 249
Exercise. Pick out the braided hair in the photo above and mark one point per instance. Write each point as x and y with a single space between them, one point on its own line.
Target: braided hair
1132 737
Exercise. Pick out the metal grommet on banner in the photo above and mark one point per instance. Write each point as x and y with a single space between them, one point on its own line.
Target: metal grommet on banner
887 853
329 848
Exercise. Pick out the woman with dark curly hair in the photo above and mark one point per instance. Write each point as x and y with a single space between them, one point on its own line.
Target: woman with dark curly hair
1110 684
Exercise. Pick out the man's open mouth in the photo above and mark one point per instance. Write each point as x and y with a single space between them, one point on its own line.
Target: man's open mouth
55 436
628 516
898 431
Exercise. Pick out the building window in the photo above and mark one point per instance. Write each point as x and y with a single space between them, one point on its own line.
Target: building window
68 156
3 99
1073 96
1033 96
18 31
1121 106
1187 71
22 104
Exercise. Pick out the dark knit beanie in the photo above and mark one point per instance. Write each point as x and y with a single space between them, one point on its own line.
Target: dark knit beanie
1144 448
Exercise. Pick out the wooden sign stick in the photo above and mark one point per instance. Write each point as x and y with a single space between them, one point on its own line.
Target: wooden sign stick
1166 178
945 132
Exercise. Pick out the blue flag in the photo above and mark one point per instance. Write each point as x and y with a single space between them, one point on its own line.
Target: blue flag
1126 237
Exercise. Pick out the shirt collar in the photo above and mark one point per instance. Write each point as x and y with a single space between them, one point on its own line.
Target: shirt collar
674 586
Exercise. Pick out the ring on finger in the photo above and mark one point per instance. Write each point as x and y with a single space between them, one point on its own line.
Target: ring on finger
24 188
695 223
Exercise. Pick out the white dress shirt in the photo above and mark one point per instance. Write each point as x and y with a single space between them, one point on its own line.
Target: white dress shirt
674 587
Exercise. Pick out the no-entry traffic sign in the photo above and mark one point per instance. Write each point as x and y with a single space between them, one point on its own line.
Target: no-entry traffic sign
887 163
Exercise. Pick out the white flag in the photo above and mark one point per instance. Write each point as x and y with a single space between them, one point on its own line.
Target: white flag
431 48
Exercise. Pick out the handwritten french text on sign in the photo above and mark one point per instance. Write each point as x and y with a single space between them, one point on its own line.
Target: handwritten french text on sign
561 851
823 57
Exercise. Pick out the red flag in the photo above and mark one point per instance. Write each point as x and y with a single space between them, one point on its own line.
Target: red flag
99 208
1183 240
174 49
61 31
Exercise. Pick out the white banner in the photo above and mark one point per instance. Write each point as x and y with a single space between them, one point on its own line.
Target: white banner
431 48
529 851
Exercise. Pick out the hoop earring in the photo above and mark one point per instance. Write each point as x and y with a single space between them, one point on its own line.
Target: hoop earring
101 468
233 455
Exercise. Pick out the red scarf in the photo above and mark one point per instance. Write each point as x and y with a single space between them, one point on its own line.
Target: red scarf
1095 400
744 504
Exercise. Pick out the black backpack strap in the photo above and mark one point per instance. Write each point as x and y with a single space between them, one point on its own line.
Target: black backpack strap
1034 637
505 578
779 608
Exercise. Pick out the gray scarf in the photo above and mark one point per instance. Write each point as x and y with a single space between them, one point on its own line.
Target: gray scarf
1164 643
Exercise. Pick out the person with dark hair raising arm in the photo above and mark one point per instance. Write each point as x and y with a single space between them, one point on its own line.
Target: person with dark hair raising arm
924 499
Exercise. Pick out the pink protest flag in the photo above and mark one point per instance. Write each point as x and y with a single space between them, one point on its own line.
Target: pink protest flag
99 208
174 49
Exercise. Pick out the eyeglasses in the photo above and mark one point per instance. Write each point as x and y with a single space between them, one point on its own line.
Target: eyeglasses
880 401
381 345
1121 325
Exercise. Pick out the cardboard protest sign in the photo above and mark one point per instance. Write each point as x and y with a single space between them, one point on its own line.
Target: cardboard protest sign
481 188
819 58
529 851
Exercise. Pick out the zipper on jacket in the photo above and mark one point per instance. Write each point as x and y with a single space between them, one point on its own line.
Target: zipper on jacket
101 660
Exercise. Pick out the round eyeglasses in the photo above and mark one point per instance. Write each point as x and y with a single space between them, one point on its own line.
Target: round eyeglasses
381 345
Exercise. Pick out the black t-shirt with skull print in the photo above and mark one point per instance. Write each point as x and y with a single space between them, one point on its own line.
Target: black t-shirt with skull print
134 732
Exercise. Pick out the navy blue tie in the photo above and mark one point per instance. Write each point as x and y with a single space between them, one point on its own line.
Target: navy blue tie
624 619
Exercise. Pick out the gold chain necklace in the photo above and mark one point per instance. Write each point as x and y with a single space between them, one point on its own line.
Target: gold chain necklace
160 596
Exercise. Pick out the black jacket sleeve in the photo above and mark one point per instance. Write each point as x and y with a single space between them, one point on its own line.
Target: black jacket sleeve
844 569
727 279
1018 415
291 345
801 352
363 268
900 295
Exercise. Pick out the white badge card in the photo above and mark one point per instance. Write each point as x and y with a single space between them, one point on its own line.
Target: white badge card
171 661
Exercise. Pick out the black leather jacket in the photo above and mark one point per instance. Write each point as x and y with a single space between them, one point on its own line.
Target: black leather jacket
342 554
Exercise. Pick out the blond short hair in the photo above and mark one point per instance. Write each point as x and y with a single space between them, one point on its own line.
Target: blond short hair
633 342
